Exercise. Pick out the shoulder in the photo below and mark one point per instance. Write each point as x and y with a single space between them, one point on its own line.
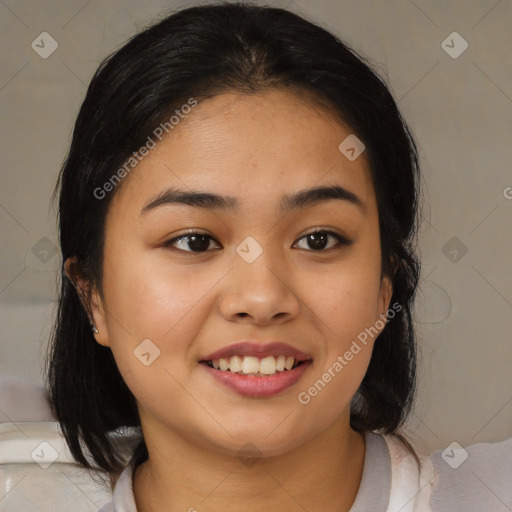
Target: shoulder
122 497
456 479
411 482
475 478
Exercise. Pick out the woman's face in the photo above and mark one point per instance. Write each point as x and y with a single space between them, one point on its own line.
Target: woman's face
257 276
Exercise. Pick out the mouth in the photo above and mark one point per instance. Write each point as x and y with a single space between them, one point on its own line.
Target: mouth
251 358
249 365
257 371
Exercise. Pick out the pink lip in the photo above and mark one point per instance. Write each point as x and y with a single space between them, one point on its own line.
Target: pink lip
249 348
259 387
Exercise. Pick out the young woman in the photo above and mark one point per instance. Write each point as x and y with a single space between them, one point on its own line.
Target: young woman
238 214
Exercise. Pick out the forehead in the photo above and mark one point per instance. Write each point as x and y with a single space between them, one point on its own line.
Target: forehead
252 147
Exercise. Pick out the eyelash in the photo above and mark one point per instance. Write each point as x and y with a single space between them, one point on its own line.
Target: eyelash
342 241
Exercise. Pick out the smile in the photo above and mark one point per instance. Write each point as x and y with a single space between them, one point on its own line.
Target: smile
248 365
251 380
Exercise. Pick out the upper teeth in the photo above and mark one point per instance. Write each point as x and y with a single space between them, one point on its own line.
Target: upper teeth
248 364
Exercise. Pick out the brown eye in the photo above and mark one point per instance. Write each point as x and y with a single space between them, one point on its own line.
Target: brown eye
196 242
318 240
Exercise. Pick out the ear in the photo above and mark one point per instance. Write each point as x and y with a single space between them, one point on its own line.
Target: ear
386 287
90 299
385 294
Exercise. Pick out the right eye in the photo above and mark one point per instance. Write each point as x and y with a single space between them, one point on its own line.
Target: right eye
197 242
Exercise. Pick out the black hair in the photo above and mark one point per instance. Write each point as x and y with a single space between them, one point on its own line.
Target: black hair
200 52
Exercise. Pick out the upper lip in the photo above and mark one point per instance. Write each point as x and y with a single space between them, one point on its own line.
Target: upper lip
251 348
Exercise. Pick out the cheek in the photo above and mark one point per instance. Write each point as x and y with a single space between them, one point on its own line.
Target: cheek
167 307
153 322
150 300
346 298
345 313
348 344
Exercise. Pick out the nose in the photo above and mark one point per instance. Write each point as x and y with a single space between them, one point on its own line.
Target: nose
259 293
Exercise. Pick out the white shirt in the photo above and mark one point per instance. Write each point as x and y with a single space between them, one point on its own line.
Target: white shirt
392 482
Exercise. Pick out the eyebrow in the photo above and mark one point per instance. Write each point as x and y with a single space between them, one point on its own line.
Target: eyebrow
210 201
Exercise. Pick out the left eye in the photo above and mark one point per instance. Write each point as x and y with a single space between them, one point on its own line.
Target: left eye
318 240
200 242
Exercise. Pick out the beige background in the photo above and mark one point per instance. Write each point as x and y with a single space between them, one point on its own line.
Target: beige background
460 110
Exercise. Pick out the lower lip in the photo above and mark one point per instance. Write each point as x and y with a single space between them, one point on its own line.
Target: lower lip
250 385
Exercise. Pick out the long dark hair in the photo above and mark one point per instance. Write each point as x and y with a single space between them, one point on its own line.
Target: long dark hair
200 52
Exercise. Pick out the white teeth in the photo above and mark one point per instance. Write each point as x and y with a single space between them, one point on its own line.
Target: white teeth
252 365
235 364
268 365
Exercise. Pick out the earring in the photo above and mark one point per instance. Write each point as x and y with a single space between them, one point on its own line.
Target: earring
94 330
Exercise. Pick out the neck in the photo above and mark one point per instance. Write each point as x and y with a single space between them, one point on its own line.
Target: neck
321 474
